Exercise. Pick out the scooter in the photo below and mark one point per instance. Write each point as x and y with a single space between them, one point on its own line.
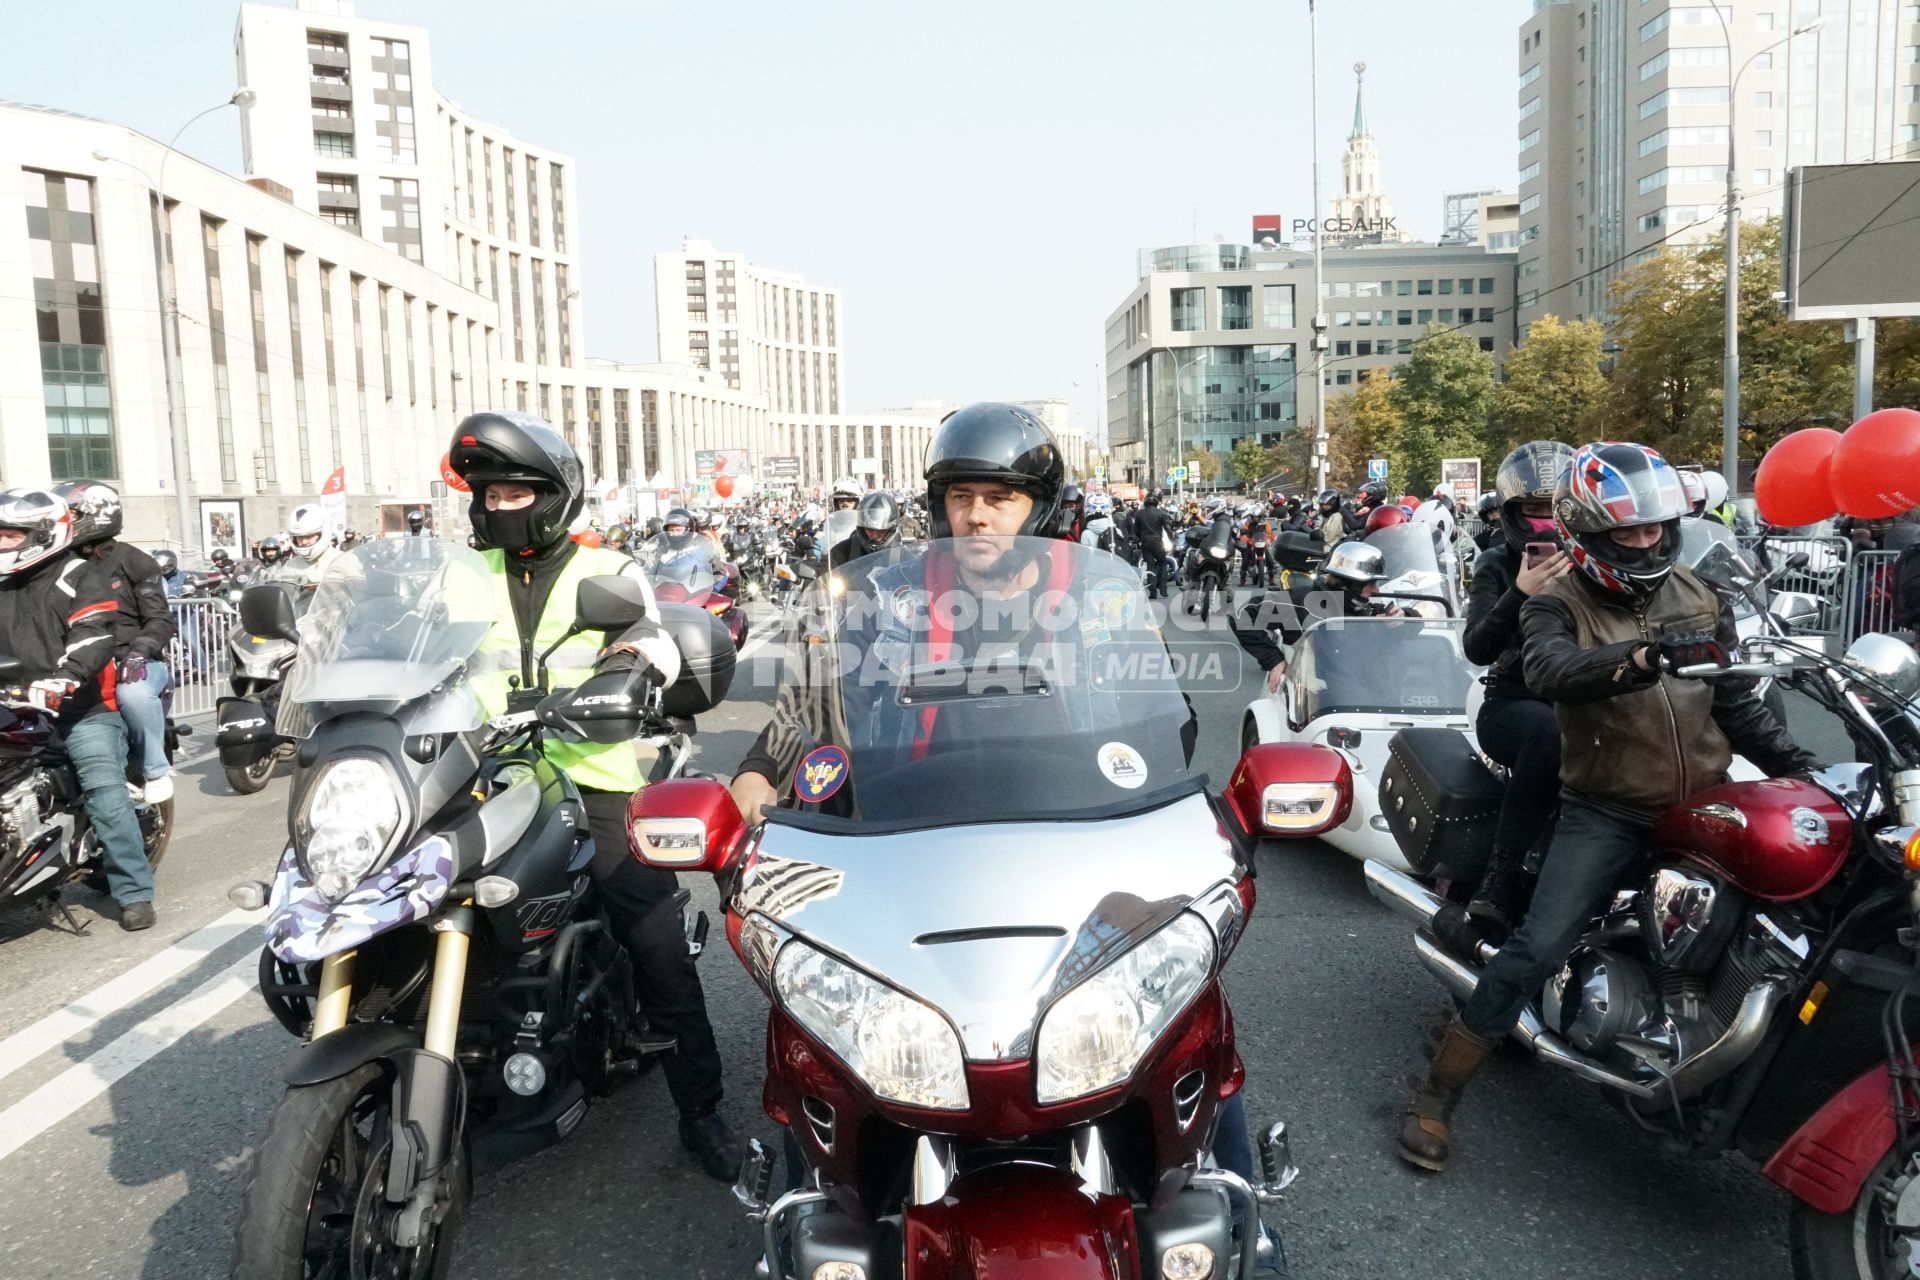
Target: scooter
248 744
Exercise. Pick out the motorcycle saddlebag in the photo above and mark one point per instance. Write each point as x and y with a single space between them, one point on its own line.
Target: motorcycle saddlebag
1298 551
1441 803
244 732
707 659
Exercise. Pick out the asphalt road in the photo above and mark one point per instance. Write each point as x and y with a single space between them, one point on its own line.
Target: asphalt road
137 1072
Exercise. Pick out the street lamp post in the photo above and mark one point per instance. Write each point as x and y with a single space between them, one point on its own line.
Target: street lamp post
1730 365
170 317
1320 441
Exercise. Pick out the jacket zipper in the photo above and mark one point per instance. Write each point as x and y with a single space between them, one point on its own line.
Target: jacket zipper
1673 720
526 637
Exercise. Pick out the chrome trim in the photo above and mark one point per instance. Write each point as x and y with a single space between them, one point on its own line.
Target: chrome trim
1235 1188
1277 1169
1089 1162
1720 811
1852 785
781 1208
1079 894
1186 1098
1225 914
1675 912
760 941
933 1169
823 1126
1412 899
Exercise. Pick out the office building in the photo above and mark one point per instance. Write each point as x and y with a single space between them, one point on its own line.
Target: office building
1490 219
1626 111
1213 344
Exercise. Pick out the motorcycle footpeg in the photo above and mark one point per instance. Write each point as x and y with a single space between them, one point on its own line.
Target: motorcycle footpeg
1277 1169
755 1183
651 1042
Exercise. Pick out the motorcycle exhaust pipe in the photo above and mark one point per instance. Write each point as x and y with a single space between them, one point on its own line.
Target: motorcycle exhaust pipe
1402 893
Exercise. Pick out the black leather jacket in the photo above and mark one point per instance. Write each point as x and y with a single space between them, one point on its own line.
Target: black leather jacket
144 624
1492 638
56 619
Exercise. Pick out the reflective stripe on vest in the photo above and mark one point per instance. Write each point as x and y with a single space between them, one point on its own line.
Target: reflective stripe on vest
601 766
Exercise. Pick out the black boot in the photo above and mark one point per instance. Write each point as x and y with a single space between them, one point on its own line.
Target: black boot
1501 897
711 1140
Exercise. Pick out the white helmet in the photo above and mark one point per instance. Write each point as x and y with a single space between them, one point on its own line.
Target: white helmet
846 488
1716 489
307 531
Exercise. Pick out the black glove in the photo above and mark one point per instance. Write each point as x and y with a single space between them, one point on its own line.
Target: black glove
1687 649
132 669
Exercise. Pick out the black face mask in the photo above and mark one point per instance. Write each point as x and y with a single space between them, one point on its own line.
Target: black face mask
1635 557
511 531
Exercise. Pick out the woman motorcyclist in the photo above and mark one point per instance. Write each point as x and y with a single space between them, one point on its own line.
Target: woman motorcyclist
142 627
1332 522
1603 644
878 529
1516 726
528 487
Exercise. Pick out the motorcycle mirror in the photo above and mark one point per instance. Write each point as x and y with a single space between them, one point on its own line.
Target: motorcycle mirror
1798 561
1292 789
609 602
267 610
685 824
805 571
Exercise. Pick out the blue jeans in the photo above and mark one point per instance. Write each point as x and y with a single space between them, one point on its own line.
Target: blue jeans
146 719
97 746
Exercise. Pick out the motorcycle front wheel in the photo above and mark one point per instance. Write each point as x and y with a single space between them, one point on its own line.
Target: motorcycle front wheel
156 831
1861 1243
315 1208
248 779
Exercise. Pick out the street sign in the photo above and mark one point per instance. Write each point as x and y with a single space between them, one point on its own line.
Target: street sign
781 466
1100 473
1376 468
1176 475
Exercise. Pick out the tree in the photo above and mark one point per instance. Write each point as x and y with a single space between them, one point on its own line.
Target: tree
1360 427
1554 386
1202 464
1248 461
1443 394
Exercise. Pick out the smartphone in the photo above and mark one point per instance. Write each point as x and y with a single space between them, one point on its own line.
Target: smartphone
1540 552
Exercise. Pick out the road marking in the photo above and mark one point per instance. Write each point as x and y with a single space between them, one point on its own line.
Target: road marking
22 1047
78 1085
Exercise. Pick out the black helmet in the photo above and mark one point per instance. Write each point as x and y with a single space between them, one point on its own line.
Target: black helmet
1329 499
95 508
416 521
1489 505
878 524
1533 472
682 540
169 563
1002 443
504 446
1071 495
271 552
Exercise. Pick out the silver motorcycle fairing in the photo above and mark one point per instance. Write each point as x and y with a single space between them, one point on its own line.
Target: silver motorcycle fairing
258 657
989 923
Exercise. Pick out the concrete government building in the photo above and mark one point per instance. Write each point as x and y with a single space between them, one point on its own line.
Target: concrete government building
388 264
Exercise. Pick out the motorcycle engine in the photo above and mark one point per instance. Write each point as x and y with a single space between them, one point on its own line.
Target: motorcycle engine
1598 997
26 812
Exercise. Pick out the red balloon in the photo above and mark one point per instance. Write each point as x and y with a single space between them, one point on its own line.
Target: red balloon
1875 471
1791 488
724 486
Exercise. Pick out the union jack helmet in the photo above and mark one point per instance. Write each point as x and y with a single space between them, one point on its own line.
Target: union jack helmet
1620 486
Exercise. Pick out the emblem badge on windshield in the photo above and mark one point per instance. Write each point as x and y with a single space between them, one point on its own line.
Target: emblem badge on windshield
820 773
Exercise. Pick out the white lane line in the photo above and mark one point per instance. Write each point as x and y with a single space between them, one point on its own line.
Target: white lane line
78 1085
23 1046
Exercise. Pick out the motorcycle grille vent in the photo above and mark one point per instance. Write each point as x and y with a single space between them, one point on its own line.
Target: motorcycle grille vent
1186 1097
820 1118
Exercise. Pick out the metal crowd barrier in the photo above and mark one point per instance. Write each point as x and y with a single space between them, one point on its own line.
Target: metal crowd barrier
1824 576
1867 600
198 658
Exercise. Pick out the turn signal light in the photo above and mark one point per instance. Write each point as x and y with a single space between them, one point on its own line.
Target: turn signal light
1912 853
1297 806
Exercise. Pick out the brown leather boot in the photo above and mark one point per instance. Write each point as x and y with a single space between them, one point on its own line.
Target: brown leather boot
1424 1134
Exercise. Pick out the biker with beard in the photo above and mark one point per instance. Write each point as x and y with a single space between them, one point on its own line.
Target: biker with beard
1603 645
1516 726
528 486
994 473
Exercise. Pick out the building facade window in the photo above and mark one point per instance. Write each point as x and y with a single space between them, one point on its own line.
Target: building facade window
650 462
393 100
400 217
1530 141
1531 172
1276 306
513 287
507 181
533 201
217 338
1236 307
70 315
1189 310
539 269
266 463
406 323
356 285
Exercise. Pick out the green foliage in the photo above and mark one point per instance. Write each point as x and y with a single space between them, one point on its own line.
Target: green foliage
1443 395
1553 388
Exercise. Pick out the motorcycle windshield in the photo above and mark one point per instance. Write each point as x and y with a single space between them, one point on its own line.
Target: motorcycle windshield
1381 666
691 571
975 677
838 528
1413 568
393 622
1709 549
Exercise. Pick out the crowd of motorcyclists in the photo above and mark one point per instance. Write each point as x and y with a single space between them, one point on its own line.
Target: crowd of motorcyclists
1577 609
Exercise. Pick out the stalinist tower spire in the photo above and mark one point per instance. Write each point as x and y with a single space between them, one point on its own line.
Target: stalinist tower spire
1362 210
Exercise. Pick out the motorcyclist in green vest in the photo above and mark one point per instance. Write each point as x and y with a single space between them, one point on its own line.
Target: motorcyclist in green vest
528 486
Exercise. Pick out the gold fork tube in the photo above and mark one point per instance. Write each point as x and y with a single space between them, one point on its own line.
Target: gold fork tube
449 983
336 994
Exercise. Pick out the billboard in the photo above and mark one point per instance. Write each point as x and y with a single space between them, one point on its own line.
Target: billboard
719 462
781 466
1852 241
1461 478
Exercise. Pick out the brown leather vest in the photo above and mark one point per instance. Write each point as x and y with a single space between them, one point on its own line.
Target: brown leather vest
1651 748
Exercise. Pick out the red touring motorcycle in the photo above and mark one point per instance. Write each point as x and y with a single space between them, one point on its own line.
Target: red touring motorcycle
1752 990
992 923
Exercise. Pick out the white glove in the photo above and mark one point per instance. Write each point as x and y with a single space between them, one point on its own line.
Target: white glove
48 694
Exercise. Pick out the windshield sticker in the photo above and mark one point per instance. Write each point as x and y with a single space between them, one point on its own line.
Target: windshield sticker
820 773
1122 765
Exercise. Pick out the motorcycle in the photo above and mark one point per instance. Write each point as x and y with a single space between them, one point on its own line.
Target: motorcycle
991 1061
46 839
1209 553
688 580
433 934
1254 560
1750 992
248 744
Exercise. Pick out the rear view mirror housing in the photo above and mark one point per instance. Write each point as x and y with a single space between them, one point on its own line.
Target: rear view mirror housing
1290 789
609 602
267 610
685 824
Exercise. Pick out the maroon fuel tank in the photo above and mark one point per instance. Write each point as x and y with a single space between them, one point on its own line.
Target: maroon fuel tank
1779 839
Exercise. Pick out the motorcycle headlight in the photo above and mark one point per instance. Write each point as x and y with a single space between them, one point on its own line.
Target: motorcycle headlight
1095 1035
347 822
901 1047
1218 553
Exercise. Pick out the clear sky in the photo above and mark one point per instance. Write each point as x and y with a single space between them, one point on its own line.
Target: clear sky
975 177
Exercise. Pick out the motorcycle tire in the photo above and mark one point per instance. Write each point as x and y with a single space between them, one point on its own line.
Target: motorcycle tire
1854 1245
251 778
156 831
298 1220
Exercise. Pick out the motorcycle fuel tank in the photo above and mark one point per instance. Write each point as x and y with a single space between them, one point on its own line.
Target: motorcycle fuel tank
23 732
1779 839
